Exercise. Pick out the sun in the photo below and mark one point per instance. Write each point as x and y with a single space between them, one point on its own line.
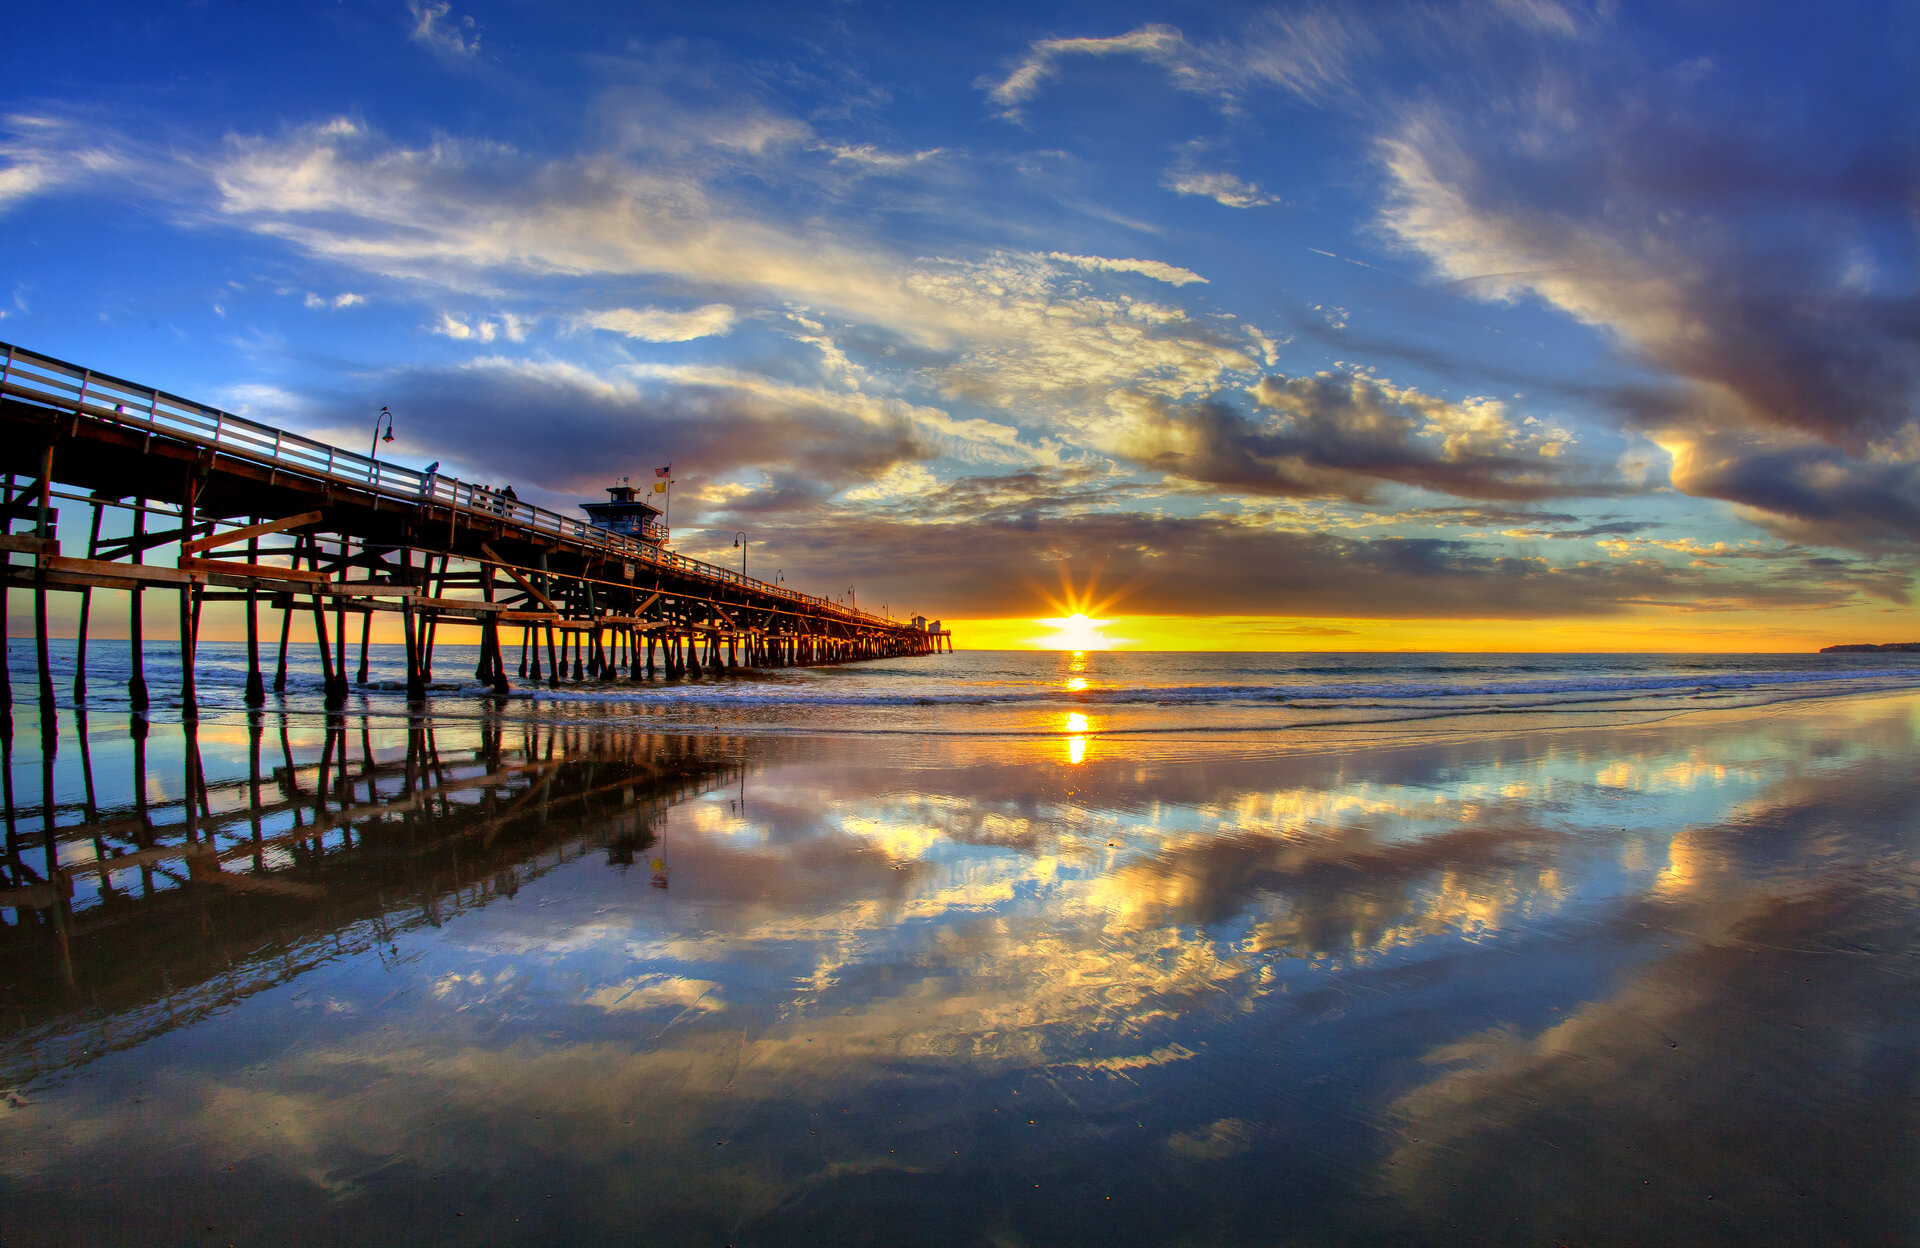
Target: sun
1077 625
1077 632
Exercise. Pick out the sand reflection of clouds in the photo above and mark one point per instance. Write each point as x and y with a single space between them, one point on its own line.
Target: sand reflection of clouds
1760 1061
650 992
1753 1070
964 925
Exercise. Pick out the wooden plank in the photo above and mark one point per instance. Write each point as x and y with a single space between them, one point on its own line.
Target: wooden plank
145 573
29 543
24 577
215 540
372 591
253 571
456 604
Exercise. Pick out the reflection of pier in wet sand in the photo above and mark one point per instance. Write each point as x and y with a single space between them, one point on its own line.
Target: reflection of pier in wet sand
122 921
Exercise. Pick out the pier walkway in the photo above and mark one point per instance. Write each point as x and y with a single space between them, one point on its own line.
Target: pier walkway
266 517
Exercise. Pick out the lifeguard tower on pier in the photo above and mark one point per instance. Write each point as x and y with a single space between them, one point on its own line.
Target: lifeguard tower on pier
627 514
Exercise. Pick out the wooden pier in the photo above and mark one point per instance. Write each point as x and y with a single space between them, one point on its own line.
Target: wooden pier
268 518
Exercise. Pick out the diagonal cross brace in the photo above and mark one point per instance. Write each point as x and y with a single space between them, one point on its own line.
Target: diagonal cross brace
519 580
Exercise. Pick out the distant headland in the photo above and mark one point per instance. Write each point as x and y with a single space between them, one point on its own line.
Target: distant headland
1867 647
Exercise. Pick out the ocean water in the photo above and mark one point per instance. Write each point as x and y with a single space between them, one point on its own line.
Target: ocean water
989 949
1036 692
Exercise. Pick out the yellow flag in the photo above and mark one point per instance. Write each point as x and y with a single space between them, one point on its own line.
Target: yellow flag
659 487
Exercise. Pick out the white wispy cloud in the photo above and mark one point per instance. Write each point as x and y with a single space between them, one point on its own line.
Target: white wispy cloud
1048 344
1221 187
43 153
834 359
1308 52
1158 270
467 214
1001 327
1156 42
1195 171
975 439
871 159
664 324
482 329
434 27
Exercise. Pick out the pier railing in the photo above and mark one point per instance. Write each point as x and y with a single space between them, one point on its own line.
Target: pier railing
43 380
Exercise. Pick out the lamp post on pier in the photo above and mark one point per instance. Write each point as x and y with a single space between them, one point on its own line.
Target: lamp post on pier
740 542
373 451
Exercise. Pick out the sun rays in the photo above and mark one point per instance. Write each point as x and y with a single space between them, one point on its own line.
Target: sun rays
1078 622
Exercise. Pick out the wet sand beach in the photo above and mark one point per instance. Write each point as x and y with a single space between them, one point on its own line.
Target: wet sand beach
495 977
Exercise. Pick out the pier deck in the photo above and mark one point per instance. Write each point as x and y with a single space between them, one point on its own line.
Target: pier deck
268 517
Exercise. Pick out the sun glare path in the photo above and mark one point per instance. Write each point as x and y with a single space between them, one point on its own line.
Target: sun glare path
1076 724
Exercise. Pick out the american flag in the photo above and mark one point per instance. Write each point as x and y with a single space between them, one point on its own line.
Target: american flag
661 472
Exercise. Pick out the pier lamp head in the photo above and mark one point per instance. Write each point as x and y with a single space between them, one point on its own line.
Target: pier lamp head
388 417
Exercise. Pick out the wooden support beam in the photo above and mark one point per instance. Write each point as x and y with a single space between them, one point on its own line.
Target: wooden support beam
456 604
253 571
40 635
136 648
23 504
215 540
141 573
135 543
525 585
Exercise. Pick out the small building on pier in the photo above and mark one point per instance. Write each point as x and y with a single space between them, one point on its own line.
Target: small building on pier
627 514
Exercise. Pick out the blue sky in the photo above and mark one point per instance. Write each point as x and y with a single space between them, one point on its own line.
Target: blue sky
1365 324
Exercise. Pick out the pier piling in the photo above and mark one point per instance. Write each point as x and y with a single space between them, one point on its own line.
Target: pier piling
256 694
